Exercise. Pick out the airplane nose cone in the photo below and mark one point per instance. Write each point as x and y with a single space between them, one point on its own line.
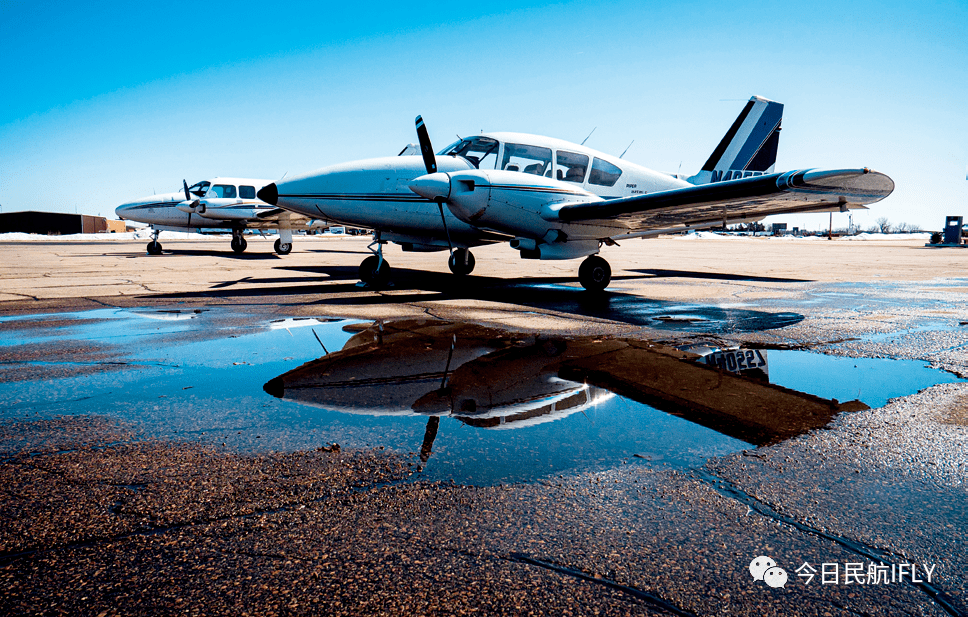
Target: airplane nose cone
432 186
269 194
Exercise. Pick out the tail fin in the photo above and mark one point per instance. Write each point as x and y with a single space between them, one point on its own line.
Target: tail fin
749 146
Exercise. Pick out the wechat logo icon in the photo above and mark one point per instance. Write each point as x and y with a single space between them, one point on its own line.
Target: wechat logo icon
765 569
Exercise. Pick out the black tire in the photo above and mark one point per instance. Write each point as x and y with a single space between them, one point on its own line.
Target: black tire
154 248
283 249
239 245
594 273
936 238
457 264
369 274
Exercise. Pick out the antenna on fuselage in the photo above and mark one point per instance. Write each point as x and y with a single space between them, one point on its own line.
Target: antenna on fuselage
627 149
589 135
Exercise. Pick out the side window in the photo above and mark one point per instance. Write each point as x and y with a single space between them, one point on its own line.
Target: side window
571 166
247 192
604 173
225 191
528 159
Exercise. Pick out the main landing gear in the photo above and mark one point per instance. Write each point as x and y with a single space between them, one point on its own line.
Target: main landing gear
238 242
461 262
594 274
154 247
283 248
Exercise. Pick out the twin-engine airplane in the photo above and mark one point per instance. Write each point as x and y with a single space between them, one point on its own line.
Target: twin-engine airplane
221 203
551 199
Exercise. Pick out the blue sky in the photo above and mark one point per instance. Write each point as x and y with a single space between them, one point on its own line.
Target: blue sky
110 102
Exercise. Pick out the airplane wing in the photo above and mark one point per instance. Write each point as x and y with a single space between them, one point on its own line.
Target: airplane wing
746 199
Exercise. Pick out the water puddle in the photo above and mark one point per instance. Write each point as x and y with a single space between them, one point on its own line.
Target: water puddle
469 403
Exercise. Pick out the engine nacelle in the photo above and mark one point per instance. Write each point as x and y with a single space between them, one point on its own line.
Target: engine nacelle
506 201
562 250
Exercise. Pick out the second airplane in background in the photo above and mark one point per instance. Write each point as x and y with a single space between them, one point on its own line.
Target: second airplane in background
221 203
551 199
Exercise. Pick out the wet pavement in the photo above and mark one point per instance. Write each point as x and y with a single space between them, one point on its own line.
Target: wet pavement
232 462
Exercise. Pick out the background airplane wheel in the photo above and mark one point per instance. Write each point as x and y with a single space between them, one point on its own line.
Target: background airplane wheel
594 273
154 248
239 245
459 265
283 249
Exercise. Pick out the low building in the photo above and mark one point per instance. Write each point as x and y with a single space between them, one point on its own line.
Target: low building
56 223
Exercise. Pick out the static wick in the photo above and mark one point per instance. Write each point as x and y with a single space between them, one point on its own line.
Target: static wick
320 342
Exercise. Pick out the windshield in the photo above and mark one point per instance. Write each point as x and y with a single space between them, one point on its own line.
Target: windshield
481 152
528 159
199 190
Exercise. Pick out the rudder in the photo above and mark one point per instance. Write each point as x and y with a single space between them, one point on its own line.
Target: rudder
749 146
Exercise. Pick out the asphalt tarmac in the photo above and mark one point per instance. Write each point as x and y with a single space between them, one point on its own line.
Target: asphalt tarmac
112 508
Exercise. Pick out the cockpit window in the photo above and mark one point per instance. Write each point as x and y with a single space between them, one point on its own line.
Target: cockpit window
571 166
247 192
199 190
480 151
528 159
225 191
604 173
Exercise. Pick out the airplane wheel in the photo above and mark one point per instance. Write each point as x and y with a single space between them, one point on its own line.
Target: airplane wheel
154 248
369 273
239 245
283 249
459 265
594 273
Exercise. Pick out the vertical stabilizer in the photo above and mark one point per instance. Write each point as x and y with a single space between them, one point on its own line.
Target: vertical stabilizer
749 146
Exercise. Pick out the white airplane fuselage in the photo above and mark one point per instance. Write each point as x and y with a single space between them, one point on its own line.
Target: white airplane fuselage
521 169
219 212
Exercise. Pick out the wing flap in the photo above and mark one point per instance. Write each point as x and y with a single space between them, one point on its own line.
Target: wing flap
739 200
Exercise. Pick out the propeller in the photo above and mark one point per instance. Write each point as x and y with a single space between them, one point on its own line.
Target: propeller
426 150
192 203
430 162
188 198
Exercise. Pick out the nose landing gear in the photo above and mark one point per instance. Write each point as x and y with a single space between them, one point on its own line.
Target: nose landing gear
375 270
154 247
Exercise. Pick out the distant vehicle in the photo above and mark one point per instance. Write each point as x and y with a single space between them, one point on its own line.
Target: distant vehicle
551 199
220 203
336 230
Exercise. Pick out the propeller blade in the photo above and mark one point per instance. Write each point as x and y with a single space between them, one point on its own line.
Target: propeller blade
188 196
430 161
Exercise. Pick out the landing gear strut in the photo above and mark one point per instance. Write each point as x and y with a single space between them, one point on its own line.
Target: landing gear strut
284 244
375 271
154 247
461 262
238 242
594 274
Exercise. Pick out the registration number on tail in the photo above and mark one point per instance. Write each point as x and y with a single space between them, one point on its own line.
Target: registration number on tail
738 360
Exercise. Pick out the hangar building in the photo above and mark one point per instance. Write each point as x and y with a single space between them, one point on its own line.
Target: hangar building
56 223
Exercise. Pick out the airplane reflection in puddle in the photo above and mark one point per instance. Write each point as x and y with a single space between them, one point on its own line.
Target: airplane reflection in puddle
496 379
